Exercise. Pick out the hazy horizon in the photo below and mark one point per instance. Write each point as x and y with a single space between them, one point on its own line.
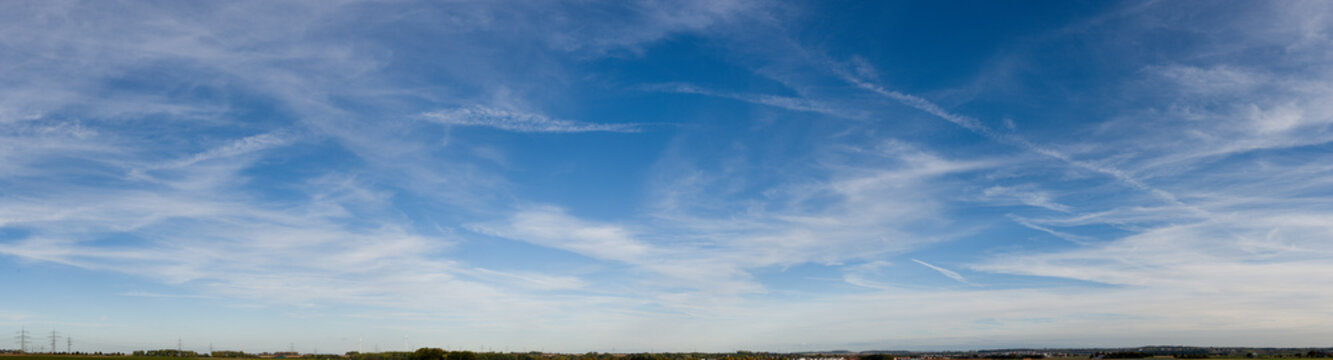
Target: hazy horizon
669 176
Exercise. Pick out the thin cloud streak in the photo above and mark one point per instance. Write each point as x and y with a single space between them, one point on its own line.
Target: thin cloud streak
158 295
519 121
946 272
783 102
977 127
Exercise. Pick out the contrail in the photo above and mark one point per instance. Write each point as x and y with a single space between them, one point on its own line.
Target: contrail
979 128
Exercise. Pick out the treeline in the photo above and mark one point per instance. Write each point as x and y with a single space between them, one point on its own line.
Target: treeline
1123 355
441 354
1007 354
232 354
423 354
166 353
75 353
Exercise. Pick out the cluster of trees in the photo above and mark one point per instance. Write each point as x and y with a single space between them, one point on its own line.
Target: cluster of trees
232 354
387 355
1013 356
78 353
166 353
1177 352
440 354
1123 355
323 357
993 355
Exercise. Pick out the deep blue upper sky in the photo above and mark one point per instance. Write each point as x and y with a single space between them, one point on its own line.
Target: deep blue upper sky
666 176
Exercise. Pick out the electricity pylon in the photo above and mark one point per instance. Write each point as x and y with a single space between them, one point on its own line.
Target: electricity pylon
53 340
23 339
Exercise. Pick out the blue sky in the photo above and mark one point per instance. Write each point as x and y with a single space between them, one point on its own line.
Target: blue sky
666 176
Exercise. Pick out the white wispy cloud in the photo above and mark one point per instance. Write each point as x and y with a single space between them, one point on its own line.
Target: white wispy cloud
642 22
784 102
1024 196
530 280
860 275
1077 239
241 146
976 126
946 272
551 227
161 295
676 267
519 121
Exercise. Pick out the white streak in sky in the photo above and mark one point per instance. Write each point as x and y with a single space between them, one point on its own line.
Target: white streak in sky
159 295
946 272
977 127
519 121
241 146
789 103
1081 240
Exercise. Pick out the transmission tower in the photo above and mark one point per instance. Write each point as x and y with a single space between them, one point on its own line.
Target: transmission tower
69 344
53 337
23 339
